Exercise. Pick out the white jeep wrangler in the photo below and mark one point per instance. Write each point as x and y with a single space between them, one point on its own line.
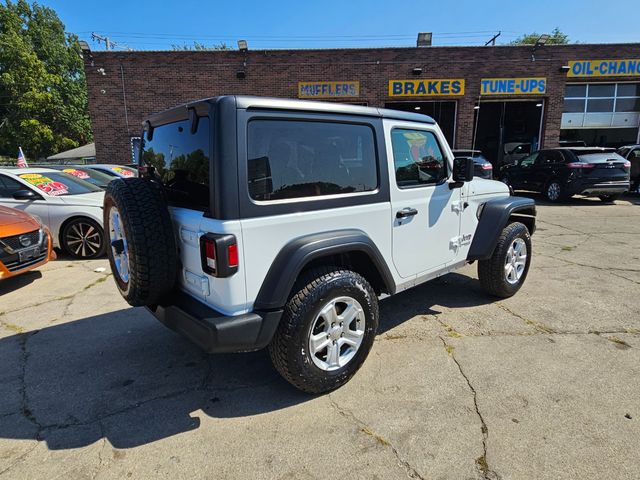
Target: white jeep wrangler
279 223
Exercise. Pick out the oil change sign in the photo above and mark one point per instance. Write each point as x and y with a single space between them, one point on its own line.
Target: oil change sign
513 86
426 88
604 68
328 89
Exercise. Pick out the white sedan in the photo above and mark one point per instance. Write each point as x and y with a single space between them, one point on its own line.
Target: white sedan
69 206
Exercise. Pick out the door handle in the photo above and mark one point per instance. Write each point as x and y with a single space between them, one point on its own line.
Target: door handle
406 212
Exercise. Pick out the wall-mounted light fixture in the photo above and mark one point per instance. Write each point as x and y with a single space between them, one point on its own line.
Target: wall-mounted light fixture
417 71
542 39
565 68
424 39
241 74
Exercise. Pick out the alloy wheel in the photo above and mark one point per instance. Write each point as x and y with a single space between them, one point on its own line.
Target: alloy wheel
83 239
515 261
118 242
336 333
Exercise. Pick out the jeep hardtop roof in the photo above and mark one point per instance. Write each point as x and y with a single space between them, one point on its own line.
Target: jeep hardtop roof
266 103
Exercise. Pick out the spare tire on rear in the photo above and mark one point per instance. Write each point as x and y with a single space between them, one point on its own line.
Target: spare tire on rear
140 242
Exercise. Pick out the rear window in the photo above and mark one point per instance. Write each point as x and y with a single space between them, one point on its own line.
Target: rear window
181 162
293 159
58 183
600 157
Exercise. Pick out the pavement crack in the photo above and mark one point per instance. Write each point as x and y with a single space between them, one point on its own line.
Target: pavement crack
364 428
19 458
25 409
481 462
604 269
540 327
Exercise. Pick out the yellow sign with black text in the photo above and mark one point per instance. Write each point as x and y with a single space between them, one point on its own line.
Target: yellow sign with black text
328 89
604 68
513 86
426 88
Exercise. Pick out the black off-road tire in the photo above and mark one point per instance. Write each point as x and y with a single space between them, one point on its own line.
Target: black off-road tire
491 272
609 198
151 245
289 348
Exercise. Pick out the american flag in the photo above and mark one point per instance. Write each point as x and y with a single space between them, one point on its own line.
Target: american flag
22 161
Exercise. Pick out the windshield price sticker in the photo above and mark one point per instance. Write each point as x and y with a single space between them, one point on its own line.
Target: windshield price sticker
123 171
76 173
45 184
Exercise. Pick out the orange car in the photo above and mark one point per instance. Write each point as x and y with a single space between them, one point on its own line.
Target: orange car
25 243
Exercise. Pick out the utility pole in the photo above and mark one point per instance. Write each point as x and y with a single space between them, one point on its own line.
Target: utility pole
108 43
493 40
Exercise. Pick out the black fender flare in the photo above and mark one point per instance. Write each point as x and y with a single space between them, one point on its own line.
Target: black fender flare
293 257
494 217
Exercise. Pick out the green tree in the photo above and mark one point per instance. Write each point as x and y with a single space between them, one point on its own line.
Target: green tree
556 38
43 92
198 46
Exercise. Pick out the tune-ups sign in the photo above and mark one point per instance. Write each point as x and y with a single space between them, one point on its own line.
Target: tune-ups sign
513 86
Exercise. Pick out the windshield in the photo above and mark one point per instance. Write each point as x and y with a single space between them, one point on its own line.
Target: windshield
58 184
92 176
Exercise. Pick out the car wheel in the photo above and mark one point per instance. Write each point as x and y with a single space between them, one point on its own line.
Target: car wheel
142 248
554 191
609 198
83 238
504 273
327 329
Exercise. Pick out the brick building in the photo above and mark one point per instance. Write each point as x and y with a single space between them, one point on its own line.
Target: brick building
500 99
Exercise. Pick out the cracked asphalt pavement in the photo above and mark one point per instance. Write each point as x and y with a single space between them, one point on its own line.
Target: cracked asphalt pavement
458 385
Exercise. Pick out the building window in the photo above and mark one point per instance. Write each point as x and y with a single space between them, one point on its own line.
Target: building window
601 114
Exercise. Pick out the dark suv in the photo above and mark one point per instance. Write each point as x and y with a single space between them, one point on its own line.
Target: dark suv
560 173
632 153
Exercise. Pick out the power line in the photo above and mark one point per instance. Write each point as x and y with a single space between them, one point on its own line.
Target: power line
109 44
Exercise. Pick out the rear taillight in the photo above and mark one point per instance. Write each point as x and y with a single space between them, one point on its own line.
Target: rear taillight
487 166
581 165
219 254
626 165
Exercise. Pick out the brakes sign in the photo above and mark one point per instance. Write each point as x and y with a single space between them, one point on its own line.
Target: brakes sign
45 184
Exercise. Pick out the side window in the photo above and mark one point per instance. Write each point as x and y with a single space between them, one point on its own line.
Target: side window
181 162
550 157
417 158
528 161
293 159
635 154
8 186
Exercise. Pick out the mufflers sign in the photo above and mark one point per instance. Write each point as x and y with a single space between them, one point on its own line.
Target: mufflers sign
513 86
426 88
328 89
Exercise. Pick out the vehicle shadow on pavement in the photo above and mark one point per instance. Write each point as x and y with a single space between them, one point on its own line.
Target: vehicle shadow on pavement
632 198
125 377
14 283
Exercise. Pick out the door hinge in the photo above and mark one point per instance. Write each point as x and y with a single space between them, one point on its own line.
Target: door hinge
459 207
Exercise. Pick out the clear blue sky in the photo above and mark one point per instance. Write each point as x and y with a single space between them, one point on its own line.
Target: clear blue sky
157 24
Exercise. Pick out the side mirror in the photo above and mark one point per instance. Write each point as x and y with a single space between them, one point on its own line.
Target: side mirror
26 195
463 169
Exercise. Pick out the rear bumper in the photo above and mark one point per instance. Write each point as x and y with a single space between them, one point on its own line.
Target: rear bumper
213 331
599 188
